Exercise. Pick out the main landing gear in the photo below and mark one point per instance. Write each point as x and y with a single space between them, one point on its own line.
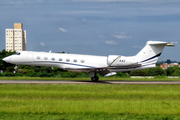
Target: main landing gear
94 77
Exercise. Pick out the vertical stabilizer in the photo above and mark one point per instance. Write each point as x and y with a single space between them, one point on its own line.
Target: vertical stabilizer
150 53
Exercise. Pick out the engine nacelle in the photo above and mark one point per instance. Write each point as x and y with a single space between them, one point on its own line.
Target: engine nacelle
118 61
111 58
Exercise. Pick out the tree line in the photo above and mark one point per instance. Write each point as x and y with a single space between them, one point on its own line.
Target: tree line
36 71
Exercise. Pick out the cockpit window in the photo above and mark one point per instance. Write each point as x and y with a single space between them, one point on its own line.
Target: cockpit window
18 53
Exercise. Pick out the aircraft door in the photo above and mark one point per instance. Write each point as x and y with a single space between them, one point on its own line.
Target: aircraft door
30 57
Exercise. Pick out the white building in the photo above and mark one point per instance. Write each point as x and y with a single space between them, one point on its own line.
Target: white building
16 38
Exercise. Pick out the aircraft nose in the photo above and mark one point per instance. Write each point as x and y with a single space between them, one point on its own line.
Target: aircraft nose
6 59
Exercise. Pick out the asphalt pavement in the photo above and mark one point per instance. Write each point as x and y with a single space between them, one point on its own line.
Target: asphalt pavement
83 82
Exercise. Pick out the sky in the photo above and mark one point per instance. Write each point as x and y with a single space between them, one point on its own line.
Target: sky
95 27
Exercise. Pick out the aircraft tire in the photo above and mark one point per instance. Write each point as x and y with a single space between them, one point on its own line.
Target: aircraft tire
95 78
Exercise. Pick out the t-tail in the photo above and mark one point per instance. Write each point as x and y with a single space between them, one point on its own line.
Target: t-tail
149 55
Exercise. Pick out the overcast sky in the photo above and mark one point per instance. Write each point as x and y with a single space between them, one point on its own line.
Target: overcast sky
96 27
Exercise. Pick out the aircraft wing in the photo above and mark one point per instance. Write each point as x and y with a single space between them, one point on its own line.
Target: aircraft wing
127 66
104 71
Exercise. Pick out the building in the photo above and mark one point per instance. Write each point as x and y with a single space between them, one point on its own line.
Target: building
16 38
165 65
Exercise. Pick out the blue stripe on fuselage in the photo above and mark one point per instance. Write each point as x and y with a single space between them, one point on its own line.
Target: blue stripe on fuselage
63 63
152 57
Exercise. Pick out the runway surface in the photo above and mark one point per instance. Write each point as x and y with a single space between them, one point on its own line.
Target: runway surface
83 82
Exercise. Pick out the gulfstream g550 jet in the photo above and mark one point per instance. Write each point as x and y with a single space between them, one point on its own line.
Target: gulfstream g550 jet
104 65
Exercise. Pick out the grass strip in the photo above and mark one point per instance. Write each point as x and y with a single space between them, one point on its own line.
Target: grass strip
101 101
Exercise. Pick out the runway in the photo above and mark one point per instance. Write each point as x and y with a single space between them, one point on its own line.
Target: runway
83 82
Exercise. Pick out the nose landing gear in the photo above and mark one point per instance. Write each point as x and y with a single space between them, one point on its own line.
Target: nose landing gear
16 68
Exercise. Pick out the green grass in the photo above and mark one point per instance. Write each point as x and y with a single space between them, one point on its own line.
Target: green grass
103 101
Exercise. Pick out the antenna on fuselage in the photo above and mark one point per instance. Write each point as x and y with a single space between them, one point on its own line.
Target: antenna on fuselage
50 51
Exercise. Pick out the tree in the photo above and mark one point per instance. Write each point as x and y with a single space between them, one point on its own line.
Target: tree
157 71
168 61
3 54
173 71
158 64
170 71
176 73
139 72
121 74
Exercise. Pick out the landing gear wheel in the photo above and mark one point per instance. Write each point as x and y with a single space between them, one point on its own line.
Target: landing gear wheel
95 78
16 68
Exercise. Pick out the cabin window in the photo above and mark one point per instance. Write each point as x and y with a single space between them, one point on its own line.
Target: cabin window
38 57
52 58
67 60
60 59
75 60
82 61
45 58
17 53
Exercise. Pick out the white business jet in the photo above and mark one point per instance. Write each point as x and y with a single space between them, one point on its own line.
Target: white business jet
104 65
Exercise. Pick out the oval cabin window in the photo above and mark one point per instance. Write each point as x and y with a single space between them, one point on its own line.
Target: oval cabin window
45 58
67 60
82 61
60 59
38 57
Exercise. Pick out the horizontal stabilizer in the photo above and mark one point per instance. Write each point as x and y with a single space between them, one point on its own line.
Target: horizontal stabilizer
161 43
171 44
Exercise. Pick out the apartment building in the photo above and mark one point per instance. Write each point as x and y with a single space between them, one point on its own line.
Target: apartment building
16 38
